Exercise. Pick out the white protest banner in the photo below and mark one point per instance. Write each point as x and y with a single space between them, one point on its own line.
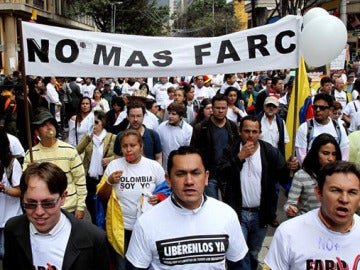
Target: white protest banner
339 62
55 51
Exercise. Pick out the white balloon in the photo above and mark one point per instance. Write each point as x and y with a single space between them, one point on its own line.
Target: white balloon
314 13
322 40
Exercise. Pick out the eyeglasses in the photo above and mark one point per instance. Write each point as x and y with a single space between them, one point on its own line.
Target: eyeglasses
320 107
44 205
337 113
96 122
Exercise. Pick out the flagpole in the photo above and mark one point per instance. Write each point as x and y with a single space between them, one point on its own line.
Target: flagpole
296 100
24 85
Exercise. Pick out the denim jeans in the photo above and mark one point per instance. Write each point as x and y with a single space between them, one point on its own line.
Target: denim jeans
254 237
212 189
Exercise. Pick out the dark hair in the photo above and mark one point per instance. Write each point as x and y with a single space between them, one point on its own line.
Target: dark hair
101 116
228 76
5 152
52 175
337 105
200 116
250 82
182 150
252 118
356 85
311 163
338 166
147 87
231 89
149 103
275 80
179 108
78 113
325 80
219 97
118 101
97 89
135 105
129 132
324 96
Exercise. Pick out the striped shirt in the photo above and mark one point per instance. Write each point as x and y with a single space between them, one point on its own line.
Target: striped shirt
302 193
67 158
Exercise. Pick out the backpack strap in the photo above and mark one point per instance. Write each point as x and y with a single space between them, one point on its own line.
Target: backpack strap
338 131
310 132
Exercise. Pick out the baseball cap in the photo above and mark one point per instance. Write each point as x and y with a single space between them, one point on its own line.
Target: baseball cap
272 100
42 117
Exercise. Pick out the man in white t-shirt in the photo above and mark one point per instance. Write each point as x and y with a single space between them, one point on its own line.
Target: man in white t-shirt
87 90
48 237
321 123
323 238
188 230
160 91
201 91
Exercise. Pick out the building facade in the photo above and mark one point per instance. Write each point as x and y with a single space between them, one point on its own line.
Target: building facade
50 12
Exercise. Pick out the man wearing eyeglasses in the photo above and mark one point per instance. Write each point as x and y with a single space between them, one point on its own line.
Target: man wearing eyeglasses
48 237
320 123
64 155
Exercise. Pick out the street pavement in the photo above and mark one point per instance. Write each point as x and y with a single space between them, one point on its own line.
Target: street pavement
281 217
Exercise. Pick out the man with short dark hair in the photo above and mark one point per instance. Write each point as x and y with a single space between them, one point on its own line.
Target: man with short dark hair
321 123
192 231
323 238
211 136
250 169
48 237
174 132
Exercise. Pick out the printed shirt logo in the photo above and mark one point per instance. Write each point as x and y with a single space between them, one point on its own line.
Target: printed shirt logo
193 249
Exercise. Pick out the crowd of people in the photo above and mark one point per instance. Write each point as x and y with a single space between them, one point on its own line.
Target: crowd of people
187 169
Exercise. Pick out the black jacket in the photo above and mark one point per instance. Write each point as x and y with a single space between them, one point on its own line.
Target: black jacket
202 139
274 168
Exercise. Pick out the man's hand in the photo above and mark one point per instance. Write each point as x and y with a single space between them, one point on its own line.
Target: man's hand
292 163
247 150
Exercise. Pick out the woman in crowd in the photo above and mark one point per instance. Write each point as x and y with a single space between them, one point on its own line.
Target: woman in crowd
124 194
100 103
204 112
192 103
117 105
82 123
301 197
10 170
236 109
99 151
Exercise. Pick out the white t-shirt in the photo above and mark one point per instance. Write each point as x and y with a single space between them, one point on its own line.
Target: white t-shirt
250 177
85 127
49 249
172 137
226 85
341 98
129 89
171 237
352 108
304 242
10 206
160 92
88 90
270 132
15 146
203 92
137 179
301 140
231 115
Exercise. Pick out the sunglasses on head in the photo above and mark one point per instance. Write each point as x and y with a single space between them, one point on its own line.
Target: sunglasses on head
320 107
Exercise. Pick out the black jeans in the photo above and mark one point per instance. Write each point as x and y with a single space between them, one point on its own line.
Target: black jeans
91 184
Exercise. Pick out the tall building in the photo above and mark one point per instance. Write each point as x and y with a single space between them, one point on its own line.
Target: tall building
50 12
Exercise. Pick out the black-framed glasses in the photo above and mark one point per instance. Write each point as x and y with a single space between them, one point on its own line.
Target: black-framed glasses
320 107
44 205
